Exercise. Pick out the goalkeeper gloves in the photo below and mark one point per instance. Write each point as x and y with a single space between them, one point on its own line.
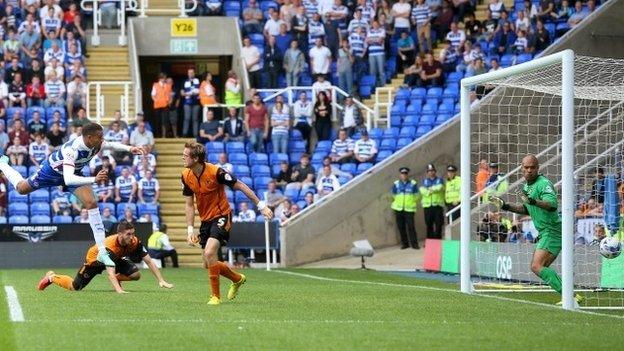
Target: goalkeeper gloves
524 197
499 203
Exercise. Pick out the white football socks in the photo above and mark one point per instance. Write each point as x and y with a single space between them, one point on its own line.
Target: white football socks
95 221
12 175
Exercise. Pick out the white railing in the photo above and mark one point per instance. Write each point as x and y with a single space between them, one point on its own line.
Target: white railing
135 71
379 104
144 7
124 5
100 100
292 94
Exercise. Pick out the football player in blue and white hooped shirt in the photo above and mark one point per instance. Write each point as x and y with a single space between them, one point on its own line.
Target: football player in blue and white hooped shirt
149 189
63 167
38 150
125 187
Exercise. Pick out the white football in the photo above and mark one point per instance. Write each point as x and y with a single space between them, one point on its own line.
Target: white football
610 247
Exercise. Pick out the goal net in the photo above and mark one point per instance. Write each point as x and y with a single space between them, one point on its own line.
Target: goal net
522 110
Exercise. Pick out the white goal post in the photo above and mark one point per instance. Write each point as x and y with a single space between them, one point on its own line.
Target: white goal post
566 60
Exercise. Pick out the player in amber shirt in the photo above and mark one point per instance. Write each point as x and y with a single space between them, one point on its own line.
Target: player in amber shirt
123 248
204 183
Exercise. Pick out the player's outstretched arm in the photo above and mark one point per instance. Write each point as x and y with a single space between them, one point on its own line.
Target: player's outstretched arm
71 179
137 150
516 208
156 272
113 280
264 209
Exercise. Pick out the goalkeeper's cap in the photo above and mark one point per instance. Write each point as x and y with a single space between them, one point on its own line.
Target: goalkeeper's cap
431 167
493 165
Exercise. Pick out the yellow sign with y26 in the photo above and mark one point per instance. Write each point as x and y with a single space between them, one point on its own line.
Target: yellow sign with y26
184 27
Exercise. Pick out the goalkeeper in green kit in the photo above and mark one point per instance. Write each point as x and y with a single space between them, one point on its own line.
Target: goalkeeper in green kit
539 200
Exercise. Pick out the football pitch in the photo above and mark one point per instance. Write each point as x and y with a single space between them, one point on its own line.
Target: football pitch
298 309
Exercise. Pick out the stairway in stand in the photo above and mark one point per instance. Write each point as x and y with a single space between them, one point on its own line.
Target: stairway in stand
163 8
109 63
168 171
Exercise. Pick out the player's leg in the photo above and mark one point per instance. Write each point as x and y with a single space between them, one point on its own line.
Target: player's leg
15 178
540 265
211 261
85 195
127 271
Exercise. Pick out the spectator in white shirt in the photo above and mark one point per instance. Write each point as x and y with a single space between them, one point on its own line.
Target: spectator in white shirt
401 11
321 85
365 149
142 137
350 117
328 183
223 163
54 52
251 57
245 214
272 25
320 58
302 112
55 67
76 94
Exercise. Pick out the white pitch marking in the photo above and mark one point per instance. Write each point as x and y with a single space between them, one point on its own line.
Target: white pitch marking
501 298
15 310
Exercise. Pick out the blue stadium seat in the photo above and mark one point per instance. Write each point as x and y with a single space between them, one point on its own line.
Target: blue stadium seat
294 157
318 157
261 171
229 194
388 145
402 142
31 110
241 171
22 170
363 167
214 147
457 108
246 180
3 220
239 197
365 91
442 117
258 159
398 110
446 108
507 60
375 133
276 159
103 205
454 77
395 121
415 108
551 28
261 182
429 109
323 146
524 58
212 158
40 195
152 209
265 5
407 132
451 92
275 169
18 209
40 208
293 194
402 94
238 159
235 147
297 146
422 130
383 154
13 110
62 219
410 121
303 192
19 219
295 135
121 207
14 196
32 170
40 219
418 94
427 120
260 219
49 112
348 167
367 80
392 132
434 92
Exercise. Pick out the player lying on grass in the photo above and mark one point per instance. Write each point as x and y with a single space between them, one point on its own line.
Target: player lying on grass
539 200
64 167
119 246
205 183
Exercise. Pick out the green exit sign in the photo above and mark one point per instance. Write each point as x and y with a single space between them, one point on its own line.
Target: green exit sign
183 46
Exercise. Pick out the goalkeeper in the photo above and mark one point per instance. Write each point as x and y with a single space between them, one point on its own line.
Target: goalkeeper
539 200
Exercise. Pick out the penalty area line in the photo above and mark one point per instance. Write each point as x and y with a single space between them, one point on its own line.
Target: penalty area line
430 288
15 309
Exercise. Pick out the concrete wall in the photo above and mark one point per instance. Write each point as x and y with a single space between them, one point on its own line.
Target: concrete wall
361 211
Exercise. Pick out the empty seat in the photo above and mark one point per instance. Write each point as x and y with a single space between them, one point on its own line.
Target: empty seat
103 205
407 132
18 209
241 170
276 159
434 92
348 167
383 154
323 146
122 207
22 170
62 219
19 219
427 120
235 147
410 121
260 171
40 219
238 159
292 193
151 209
40 208
402 142
388 145
422 130
40 195
392 132
297 146
262 182
214 147
363 167
258 159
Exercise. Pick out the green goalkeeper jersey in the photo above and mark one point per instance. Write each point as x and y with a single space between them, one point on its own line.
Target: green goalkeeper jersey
546 222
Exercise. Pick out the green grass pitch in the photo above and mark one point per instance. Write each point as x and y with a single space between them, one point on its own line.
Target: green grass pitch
347 310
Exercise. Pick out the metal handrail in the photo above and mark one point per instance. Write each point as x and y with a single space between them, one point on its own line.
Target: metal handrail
144 7
100 99
124 5
545 151
135 72
388 105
